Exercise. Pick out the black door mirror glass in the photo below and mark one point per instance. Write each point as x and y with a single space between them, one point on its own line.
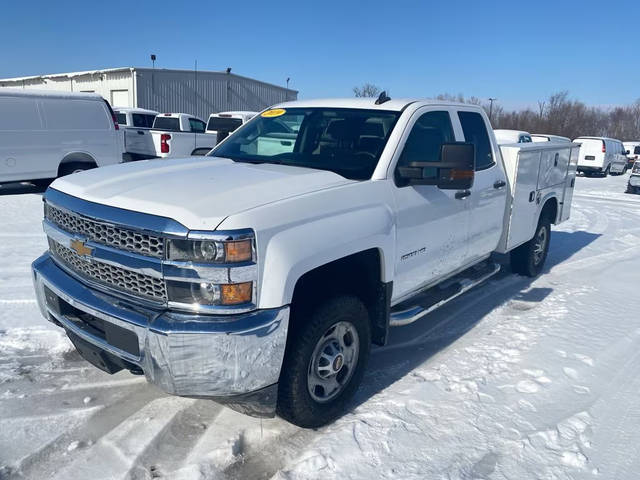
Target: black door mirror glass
454 171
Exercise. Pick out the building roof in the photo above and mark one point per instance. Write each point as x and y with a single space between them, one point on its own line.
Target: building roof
86 73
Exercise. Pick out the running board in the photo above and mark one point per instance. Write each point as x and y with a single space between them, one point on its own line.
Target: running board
410 310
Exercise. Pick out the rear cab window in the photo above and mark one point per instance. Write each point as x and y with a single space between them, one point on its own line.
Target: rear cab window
223 124
121 118
142 120
475 131
167 123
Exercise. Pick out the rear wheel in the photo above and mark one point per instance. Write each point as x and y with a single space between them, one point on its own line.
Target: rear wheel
74 167
528 259
324 363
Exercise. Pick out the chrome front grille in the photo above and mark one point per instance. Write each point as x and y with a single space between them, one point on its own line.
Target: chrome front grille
110 235
115 277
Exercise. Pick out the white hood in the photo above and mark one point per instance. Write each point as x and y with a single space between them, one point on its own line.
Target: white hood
197 192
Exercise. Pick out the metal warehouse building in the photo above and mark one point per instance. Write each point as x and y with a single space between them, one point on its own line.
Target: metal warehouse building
199 93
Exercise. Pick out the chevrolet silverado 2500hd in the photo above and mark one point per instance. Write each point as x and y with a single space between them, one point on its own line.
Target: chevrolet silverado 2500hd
260 275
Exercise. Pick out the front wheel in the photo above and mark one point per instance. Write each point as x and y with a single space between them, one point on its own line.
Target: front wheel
325 360
528 259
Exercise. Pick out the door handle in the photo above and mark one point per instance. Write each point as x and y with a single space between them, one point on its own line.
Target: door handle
140 132
462 194
499 184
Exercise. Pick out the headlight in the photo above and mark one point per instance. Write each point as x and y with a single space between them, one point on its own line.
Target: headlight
209 293
210 251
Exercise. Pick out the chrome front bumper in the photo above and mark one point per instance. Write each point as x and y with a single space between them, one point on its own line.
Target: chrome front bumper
223 356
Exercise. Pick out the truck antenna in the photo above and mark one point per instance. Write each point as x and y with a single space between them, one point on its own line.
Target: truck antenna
382 98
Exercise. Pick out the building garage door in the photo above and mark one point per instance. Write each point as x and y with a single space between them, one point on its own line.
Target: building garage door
120 98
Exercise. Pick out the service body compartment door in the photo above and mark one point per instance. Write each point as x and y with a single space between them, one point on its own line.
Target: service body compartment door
553 167
522 218
570 182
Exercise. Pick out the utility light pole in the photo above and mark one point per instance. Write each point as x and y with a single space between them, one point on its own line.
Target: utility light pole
491 100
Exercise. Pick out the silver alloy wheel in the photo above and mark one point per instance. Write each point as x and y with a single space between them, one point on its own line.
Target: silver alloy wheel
333 361
540 245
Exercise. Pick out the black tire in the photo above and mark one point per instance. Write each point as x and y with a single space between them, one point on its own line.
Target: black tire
527 259
295 401
74 167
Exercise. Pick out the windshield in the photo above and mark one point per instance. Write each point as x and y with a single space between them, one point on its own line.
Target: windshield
348 142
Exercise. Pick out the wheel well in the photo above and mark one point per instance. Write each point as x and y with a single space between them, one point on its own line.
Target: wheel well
200 151
550 210
359 274
77 157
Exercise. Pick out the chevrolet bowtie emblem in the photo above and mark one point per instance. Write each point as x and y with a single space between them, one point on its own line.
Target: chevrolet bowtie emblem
80 248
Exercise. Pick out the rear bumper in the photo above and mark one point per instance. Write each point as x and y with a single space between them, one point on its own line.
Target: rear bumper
584 168
224 357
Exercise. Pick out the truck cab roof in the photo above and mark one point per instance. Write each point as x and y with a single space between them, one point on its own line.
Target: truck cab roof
395 104
135 110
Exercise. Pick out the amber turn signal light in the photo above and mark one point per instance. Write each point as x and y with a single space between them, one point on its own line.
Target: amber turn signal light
240 251
236 293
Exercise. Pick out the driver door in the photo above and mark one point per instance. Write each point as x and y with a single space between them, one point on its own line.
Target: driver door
431 224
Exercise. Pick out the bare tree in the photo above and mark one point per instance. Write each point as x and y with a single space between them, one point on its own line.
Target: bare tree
367 90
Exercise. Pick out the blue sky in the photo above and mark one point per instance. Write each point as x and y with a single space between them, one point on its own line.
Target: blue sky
414 48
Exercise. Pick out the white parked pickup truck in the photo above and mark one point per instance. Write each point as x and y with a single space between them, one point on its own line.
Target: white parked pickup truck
180 135
261 278
224 123
135 125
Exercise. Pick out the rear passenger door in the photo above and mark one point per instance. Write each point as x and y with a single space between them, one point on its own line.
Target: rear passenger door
431 224
489 192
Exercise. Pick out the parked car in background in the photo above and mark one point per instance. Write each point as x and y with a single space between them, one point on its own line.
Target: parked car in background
632 149
45 134
223 123
633 186
180 135
504 137
543 137
261 277
136 124
601 156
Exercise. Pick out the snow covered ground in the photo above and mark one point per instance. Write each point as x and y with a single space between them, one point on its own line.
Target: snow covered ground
516 379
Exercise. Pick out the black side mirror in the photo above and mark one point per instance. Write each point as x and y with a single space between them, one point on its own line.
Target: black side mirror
454 171
627 152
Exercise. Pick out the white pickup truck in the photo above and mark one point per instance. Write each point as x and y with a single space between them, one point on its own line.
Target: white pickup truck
223 123
260 279
180 135
135 125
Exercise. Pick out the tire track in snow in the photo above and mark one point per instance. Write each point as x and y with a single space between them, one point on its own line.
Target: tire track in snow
169 449
51 458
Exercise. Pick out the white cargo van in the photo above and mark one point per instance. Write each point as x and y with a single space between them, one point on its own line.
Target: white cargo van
45 134
601 156
544 137
223 123
505 137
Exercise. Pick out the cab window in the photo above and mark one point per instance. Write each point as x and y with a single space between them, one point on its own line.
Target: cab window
475 131
424 142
